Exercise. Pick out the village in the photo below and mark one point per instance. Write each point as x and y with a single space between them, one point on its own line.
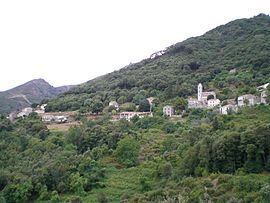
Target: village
204 100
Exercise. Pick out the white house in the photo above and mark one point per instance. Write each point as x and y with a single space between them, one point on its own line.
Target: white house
60 119
168 110
114 104
129 115
25 112
47 118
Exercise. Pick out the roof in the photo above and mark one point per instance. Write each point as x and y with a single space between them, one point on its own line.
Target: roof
263 86
213 100
208 93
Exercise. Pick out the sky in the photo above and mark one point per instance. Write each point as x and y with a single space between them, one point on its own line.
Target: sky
72 41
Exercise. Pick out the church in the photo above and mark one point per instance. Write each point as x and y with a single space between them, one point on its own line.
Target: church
203 100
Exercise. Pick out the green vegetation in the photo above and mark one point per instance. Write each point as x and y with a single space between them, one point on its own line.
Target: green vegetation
201 157
242 45
206 156
127 152
36 163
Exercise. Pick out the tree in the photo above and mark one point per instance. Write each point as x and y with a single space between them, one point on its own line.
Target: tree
180 104
97 106
77 183
138 98
253 163
144 106
127 151
18 192
122 99
102 198
265 193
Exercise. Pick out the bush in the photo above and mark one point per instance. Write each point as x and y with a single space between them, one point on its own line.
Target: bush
127 151
102 198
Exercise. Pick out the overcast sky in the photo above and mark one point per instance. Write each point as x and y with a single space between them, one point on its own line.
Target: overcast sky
73 41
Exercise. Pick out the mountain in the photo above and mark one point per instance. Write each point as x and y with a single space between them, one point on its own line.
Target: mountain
242 46
30 92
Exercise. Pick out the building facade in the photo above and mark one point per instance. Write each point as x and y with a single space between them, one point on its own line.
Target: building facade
168 110
129 115
202 100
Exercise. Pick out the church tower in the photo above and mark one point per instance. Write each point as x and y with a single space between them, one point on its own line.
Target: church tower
200 90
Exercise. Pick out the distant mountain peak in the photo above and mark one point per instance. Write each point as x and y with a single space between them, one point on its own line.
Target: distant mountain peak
33 91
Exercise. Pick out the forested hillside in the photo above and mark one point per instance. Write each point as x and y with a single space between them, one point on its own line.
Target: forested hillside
243 45
206 157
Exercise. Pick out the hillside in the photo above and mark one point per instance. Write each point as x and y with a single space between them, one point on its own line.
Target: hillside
24 95
243 45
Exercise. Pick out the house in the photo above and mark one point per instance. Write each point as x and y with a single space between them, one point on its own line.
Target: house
12 116
263 97
150 100
229 101
248 99
263 90
43 106
168 110
211 103
232 71
194 103
40 109
47 118
25 112
227 108
129 115
114 104
60 119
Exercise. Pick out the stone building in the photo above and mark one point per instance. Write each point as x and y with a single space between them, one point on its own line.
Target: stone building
248 100
228 108
168 110
203 100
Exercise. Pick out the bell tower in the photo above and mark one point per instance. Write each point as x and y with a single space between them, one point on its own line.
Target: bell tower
200 90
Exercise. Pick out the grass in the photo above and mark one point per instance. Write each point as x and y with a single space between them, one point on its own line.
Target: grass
118 182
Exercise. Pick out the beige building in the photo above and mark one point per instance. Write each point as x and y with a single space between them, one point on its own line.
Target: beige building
211 103
168 110
227 108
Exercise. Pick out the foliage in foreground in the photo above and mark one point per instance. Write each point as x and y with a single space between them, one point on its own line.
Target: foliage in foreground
139 161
